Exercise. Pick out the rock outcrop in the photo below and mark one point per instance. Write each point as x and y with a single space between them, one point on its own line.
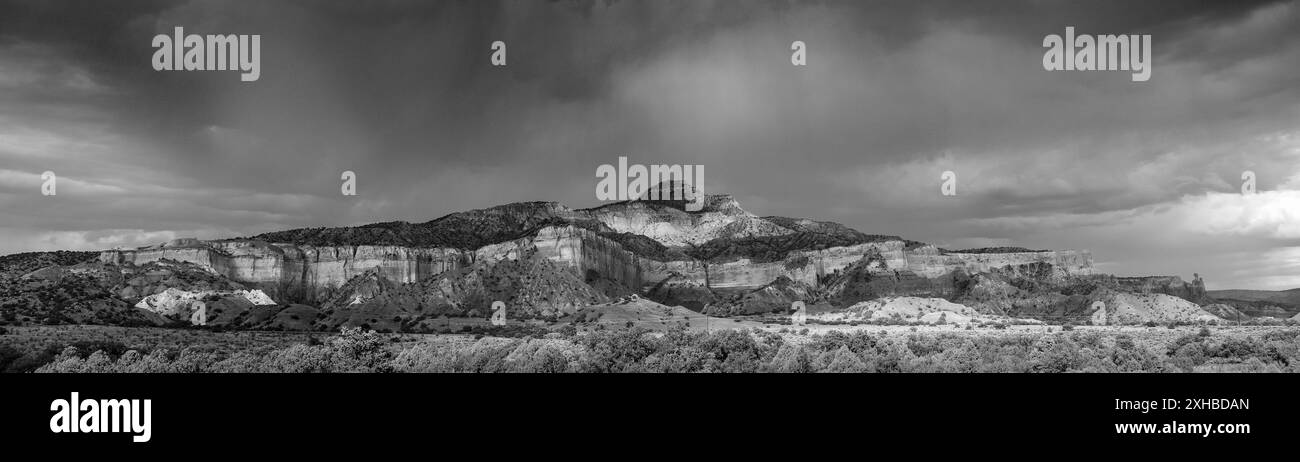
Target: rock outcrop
721 217
311 274
1125 308
292 272
711 257
169 301
814 266
903 310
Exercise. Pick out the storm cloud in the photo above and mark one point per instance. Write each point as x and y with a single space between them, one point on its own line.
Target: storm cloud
1147 175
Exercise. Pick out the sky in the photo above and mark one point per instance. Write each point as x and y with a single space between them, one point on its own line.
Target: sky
1146 175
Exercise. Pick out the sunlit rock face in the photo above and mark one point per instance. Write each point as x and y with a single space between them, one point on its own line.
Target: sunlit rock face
303 273
297 273
721 217
812 266
639 245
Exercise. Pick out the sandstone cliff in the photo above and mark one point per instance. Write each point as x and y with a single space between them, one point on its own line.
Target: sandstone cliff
311 274
702 258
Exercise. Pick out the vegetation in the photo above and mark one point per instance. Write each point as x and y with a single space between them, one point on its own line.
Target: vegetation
737 351
19 263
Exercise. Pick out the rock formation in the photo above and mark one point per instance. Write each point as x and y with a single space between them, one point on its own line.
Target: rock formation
1125 308
545 260
711 257
172 301
308 273
905 310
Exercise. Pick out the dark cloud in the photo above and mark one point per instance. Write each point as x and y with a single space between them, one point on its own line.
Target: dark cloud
895 93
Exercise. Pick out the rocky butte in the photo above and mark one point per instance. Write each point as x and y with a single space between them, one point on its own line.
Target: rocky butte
649 247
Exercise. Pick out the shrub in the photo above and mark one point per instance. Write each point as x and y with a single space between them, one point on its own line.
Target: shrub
524 348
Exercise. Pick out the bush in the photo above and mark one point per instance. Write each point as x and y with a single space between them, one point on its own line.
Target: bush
524 348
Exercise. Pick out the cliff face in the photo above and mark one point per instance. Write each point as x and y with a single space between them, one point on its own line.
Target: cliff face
929 262
290 272
1169 285
587 252
722 248
311 274
720 217
812 266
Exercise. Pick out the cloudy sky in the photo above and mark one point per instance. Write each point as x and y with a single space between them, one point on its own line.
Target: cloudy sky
1146 175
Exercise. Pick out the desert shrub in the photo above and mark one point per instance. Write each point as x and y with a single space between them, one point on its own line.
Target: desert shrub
544 356
568 330
8 355
298 358
615 351
892 355
1130 357
1188 356
533 349
358 350
1055 354
730 350
486 355
68 361
678 359
424 357
843 360
791 359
